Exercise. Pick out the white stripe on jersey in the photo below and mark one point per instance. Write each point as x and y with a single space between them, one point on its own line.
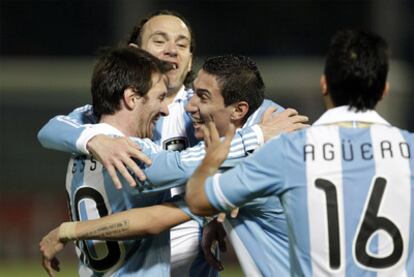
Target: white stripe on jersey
219 193
69 121
175 124
390 206
318 227
94 179
245 260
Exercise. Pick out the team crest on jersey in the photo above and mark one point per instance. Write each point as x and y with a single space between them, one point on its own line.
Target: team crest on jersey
175 144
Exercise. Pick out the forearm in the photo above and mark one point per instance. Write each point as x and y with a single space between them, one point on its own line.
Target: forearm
125 225
195 196
62 132
59 134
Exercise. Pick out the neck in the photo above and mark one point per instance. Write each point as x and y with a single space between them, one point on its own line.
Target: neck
328 102
120 121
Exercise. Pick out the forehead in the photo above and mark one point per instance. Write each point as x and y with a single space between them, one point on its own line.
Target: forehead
159 84
208 82
168 24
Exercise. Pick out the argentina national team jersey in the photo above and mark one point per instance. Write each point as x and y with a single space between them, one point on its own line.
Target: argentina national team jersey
175 132
347 187
92 195
70 133
259 232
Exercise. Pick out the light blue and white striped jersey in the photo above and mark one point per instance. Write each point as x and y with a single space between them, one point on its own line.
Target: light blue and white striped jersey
92 195
259 232
347 193
173 132
176 131
63 133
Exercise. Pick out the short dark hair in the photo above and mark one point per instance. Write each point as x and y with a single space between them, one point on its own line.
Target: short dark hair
356 69
118 69
239 79
136 36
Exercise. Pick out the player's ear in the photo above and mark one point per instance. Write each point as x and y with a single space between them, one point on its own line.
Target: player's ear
325 93
240 109
386 90
130 98
324 87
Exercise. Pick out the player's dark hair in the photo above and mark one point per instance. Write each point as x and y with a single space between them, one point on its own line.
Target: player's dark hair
356 69
118 69
239 79
136 36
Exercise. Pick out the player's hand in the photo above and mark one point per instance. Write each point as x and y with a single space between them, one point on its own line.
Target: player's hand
216 149
213 235
50 246
274 124
222 216
116 154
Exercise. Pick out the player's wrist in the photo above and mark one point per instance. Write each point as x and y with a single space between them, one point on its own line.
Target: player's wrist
67 231
208 168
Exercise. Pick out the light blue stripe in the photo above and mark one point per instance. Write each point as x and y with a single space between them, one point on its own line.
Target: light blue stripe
410 259
296 204
357 176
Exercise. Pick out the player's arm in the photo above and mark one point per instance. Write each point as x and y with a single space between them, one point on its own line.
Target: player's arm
62 131
217 152
177 167
72 132
120 226
259 175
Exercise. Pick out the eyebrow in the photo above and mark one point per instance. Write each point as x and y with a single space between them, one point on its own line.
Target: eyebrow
165 35
204 91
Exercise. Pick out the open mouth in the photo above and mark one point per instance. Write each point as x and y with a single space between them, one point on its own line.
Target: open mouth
196 121
174 64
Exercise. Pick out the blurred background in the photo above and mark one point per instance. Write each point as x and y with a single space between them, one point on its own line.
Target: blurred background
47 51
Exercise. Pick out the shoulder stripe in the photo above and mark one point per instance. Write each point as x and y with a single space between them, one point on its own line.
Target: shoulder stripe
223 201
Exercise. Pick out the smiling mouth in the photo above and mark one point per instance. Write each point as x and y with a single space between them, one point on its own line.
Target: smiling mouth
197 121
174 64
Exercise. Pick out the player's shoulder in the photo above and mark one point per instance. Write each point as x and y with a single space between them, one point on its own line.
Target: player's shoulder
408 135
143 141
299 135
267 103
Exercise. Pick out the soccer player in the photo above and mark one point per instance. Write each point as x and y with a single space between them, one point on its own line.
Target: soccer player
230 89
346 183
128 90
168 36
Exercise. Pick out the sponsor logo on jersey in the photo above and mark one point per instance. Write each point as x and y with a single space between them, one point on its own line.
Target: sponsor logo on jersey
175 144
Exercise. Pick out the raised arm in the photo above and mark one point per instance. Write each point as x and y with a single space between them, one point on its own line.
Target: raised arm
208 192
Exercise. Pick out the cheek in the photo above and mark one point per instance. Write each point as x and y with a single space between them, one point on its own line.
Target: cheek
205 111
222 121
155 51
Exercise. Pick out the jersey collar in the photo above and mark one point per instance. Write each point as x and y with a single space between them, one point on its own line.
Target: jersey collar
347 114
